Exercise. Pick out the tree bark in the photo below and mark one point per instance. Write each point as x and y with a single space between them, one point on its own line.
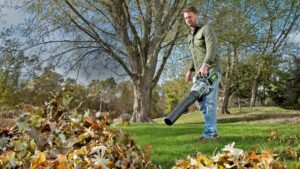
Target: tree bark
224 107
253 93
254 88
228 88
142 100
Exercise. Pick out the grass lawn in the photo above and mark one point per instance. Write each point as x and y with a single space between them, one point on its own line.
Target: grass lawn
170 143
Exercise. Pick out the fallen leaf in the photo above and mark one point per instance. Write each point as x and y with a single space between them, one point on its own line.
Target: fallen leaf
62 163
39 160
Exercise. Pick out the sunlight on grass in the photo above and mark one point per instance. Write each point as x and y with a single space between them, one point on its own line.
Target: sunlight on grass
170 143
245 114
244 110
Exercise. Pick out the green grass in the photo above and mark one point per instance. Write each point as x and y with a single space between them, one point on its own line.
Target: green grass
170 143
178 141
246 114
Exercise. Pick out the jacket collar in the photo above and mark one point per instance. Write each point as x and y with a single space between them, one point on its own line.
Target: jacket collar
198 26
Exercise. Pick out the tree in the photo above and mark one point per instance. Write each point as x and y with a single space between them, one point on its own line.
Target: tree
42 88
77 94
138 35
276 20
158 107
235 31
14 65
102 92
252 29
174 92
11 64
124 98
293 83
284 86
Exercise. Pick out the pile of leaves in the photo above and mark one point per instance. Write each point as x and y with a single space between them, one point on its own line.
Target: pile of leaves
232 158
55 137
288 145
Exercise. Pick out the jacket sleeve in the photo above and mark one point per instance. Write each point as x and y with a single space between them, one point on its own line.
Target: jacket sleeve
191 66
191 61
211 45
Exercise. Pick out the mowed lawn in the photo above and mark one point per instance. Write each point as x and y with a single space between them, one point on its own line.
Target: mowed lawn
246 129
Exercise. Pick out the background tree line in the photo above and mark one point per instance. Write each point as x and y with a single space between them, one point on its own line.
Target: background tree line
145 41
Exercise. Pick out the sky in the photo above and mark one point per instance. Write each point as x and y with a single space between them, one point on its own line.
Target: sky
296 37
11 16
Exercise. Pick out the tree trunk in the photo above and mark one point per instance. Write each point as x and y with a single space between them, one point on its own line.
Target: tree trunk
253 93
224 107
227 81
100 102
240 104
255 85
142 101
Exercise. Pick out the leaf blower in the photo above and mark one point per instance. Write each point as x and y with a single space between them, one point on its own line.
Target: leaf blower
201 87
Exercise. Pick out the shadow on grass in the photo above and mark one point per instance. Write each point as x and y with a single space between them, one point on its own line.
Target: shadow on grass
255 117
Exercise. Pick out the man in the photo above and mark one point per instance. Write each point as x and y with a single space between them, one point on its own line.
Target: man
203 46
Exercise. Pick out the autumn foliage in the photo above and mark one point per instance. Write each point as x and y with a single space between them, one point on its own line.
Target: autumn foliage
253 158
231 157
57 137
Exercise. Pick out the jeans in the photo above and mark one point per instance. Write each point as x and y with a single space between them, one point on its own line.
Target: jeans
208 106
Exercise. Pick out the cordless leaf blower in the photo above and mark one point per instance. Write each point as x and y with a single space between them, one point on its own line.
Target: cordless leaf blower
201 87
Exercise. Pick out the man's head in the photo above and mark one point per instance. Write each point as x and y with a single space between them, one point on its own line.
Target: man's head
190 15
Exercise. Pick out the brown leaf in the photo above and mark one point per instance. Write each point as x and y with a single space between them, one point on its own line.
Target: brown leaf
90 122
62 163
29 108
292 152
45 127
276 165
274 133
148 152
253 156
5 158
39 161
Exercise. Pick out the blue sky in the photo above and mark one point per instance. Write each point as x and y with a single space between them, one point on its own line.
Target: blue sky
12 16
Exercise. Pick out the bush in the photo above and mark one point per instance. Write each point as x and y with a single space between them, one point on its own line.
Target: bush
269 102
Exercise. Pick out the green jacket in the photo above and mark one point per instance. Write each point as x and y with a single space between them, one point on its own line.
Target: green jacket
203 46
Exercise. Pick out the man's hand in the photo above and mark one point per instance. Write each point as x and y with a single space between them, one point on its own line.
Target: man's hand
188 76
203 71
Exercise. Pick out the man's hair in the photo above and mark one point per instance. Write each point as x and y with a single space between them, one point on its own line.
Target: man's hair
190 9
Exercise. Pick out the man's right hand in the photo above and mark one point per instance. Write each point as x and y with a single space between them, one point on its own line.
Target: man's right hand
188 76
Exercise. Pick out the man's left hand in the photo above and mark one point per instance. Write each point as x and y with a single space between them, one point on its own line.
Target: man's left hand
203 71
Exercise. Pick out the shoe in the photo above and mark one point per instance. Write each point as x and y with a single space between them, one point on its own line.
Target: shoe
216 136
205 139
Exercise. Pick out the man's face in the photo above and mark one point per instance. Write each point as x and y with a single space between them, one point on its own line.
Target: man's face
191 19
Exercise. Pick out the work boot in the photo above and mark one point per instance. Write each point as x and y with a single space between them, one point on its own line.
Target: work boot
205 139
216 136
